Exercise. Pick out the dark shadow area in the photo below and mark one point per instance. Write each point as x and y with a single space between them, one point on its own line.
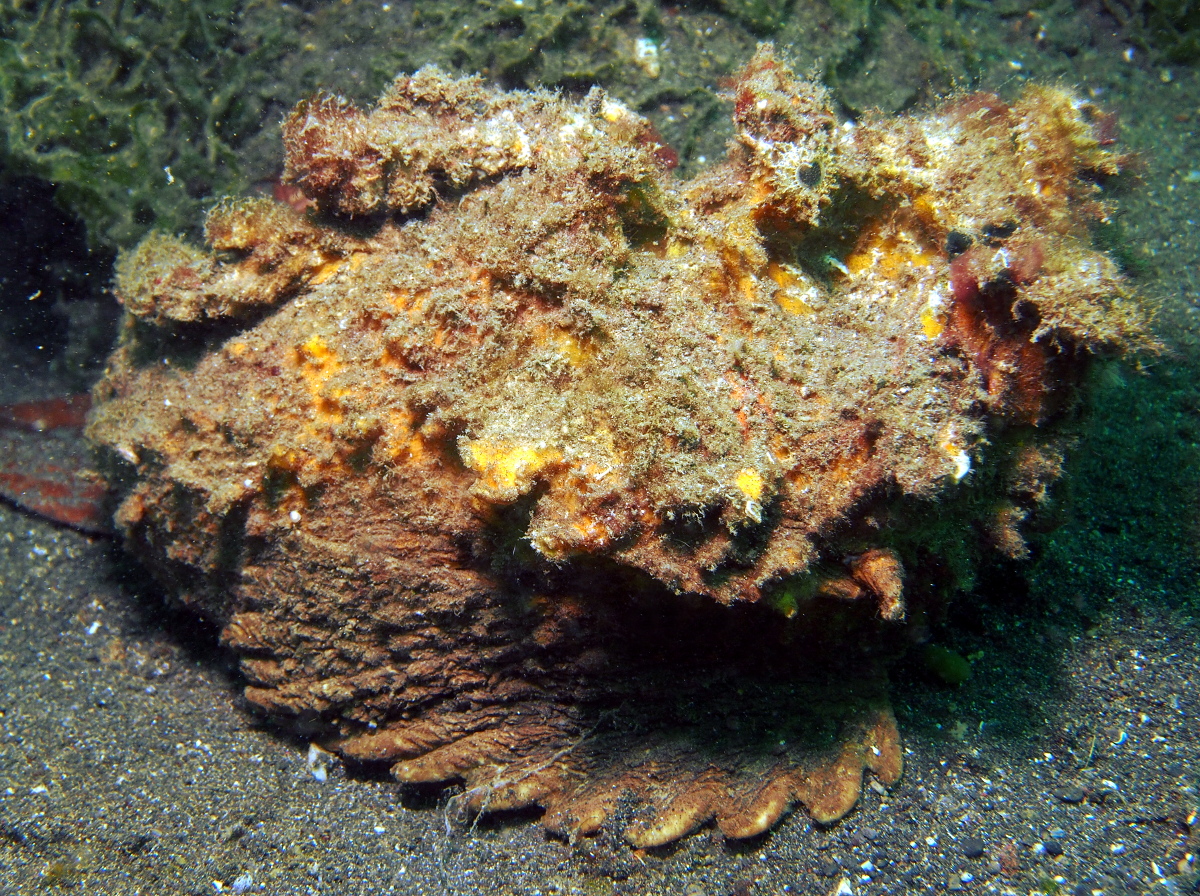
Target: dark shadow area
996 656
53 306
153 613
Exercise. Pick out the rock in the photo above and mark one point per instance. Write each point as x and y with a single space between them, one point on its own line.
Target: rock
972 847
1070 793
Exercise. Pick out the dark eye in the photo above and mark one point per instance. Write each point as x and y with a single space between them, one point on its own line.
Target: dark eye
993 233
810 174
957 243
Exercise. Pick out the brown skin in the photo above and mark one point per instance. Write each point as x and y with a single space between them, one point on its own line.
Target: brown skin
500 464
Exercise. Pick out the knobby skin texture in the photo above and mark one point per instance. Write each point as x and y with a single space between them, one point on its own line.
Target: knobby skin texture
505 458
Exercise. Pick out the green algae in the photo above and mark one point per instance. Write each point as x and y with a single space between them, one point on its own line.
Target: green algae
133 111
949 666
141 114
1169 28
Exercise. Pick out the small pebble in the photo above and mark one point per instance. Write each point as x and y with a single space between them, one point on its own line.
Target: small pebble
1053 848
831 869
954 882
1070 794
972 847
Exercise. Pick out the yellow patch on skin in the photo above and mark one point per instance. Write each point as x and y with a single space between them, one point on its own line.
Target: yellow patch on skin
318 362
748 285
789 297
887 250
785 277
920 258
761 190
925 210
792 304
676 249
931 324
316 351
326 270
288 459
415 449
591 530
507 466
408 301
933 314
570 347
750 483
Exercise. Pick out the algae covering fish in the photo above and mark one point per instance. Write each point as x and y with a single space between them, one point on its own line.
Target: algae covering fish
517 463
